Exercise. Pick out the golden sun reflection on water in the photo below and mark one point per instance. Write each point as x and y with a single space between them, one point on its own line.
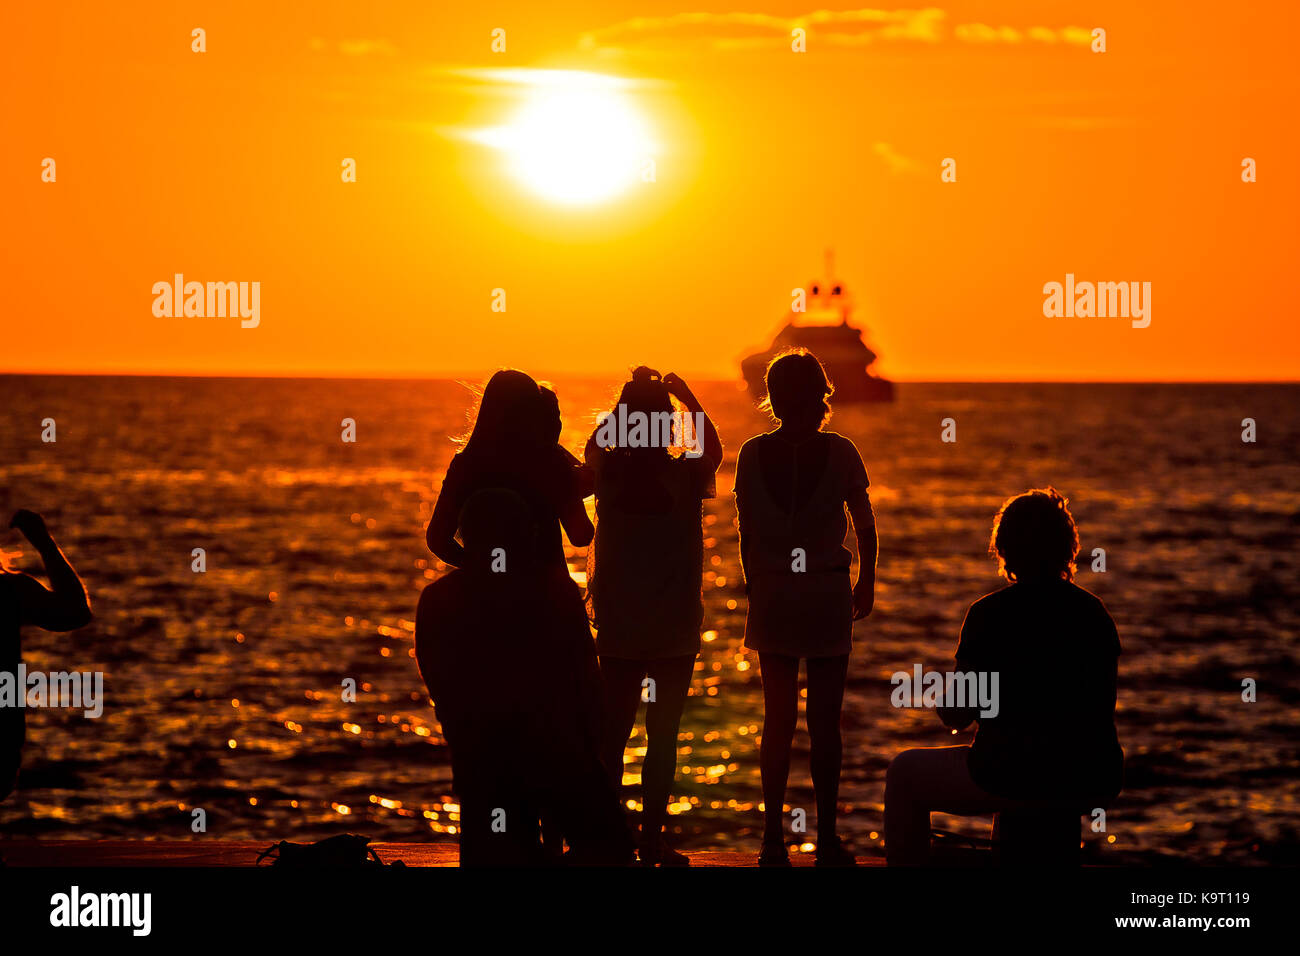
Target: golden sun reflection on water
345 558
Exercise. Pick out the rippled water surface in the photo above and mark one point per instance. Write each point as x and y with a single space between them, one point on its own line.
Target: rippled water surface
223 688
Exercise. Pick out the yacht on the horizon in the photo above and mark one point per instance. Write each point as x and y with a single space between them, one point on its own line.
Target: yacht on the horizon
824 329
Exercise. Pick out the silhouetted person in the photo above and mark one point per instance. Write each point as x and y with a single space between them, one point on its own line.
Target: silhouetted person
505 650
63 606
513 444
1052 742
645 582
793 485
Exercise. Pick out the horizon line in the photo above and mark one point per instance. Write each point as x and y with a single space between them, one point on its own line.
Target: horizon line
482 375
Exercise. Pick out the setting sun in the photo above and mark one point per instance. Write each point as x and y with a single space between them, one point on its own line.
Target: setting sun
577 138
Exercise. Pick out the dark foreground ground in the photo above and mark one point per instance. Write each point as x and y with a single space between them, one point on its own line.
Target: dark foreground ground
151 853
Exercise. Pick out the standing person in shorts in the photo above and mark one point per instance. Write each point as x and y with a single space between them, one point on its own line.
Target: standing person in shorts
794 485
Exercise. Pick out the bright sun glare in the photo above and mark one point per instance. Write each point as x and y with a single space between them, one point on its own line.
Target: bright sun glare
577 141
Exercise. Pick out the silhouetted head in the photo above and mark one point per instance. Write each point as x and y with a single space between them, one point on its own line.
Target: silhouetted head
1035 538
645 392
798 391
497 518
509 416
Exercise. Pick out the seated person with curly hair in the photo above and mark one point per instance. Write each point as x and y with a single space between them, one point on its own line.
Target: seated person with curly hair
1052 742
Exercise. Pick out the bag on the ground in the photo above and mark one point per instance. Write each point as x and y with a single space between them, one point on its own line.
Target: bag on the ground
346 849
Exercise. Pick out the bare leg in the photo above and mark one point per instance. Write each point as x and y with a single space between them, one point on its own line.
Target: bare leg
672 677
826 678
780 713
920 781
620 683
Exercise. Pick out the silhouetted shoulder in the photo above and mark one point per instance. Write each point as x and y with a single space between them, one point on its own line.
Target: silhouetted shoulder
1066 601
985 616
747 458
456 469
1070 597
848 462
453 491
750 447
1096 608
973 643
749 451
991 603
1087 599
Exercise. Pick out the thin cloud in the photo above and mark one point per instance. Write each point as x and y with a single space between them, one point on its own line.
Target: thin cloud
357 46
983 33
548 79
896 162
738 31
1083 124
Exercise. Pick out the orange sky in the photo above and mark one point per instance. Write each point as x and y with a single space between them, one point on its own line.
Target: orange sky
225 166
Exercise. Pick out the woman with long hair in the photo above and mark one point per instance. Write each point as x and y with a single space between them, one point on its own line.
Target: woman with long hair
513 445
